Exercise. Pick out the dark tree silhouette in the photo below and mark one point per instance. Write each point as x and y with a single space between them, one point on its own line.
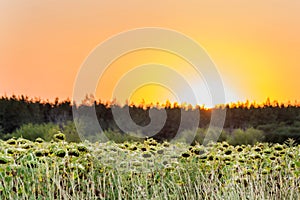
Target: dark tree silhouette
277 121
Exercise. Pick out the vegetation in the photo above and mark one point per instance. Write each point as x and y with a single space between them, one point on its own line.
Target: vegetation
278 122
43 157
147 170
46 132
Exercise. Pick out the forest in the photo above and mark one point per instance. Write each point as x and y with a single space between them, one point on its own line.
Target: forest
19 115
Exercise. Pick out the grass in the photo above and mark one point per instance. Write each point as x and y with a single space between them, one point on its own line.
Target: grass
147 170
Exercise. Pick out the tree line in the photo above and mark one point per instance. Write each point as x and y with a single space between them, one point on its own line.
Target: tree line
277 121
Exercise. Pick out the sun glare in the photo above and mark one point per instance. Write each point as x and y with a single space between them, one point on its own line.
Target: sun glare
134 77
152 94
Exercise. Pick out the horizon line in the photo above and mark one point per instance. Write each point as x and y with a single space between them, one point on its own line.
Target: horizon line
89 99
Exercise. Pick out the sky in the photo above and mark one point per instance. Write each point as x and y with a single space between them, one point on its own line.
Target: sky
255 45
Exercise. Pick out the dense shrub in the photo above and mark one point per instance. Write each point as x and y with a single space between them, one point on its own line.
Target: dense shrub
33 131
268 133
69 129
277 133
249 136
201 134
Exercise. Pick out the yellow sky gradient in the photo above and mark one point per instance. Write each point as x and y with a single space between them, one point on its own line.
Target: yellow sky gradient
255 45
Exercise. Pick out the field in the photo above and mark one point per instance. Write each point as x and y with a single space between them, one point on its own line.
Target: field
147 170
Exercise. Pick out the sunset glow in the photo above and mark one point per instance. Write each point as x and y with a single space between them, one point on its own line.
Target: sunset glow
255 47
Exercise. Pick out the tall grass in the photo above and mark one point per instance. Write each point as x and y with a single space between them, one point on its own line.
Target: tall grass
147 170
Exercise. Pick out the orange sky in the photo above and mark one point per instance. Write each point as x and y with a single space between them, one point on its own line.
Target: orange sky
255 45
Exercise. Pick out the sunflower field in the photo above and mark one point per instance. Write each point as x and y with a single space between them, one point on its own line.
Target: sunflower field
147 170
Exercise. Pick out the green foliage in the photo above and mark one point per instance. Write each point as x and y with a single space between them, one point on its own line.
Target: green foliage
69 129
249 136
123 137
200 134
278 133
238 136
34 131
278 122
